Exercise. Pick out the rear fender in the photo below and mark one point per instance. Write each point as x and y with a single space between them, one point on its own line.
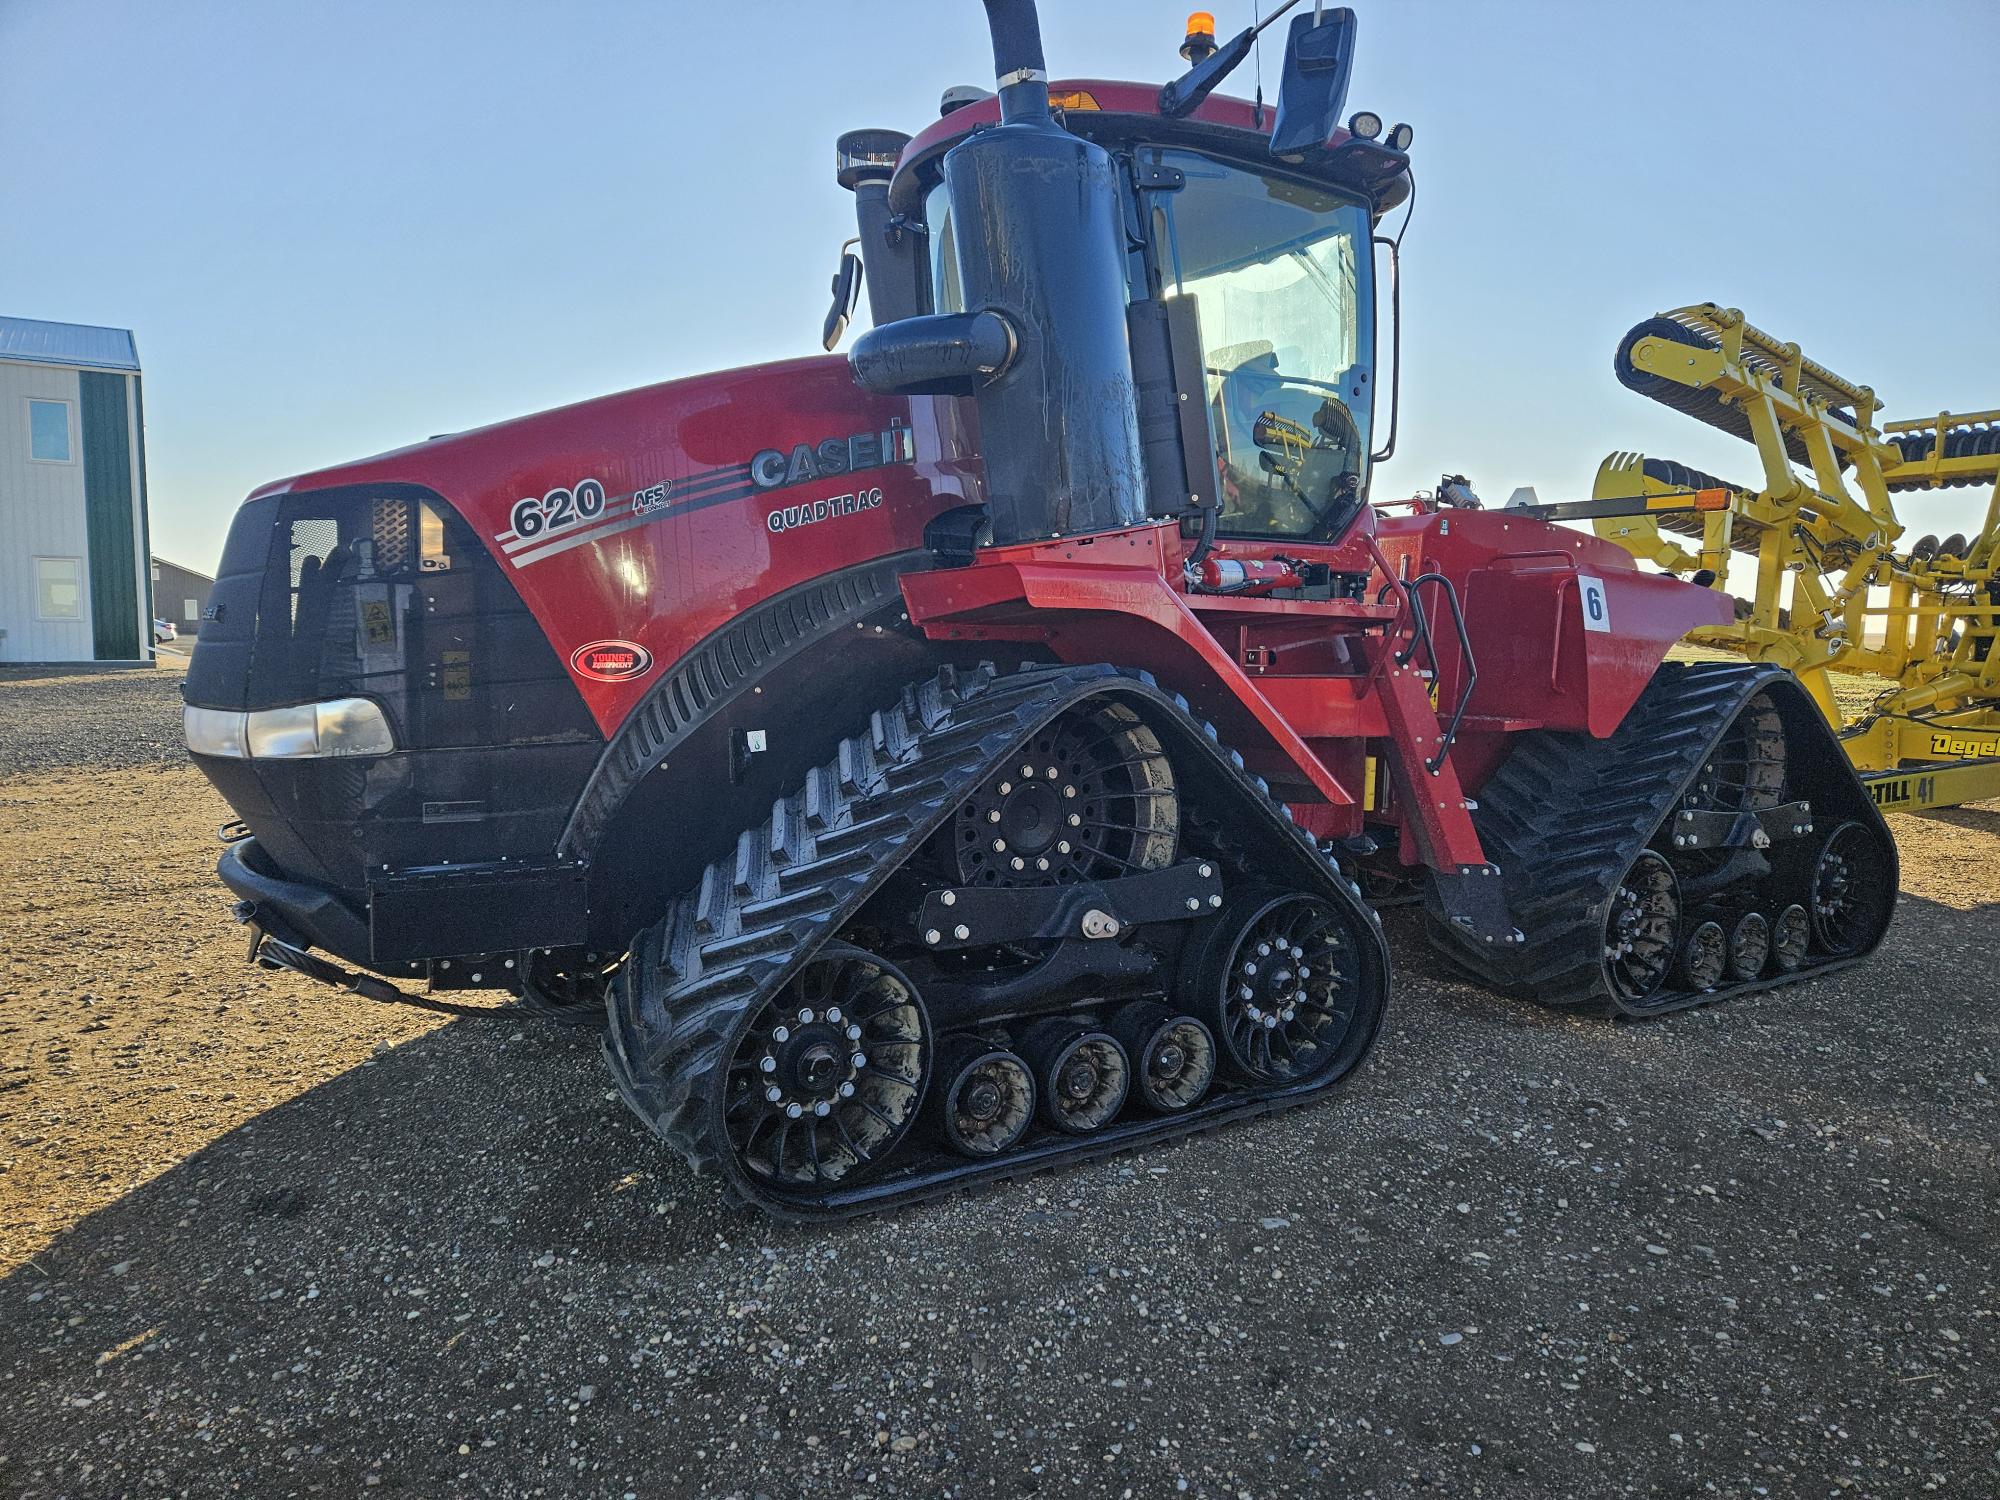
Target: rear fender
1563 645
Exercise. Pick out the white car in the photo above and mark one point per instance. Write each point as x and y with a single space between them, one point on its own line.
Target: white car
164 631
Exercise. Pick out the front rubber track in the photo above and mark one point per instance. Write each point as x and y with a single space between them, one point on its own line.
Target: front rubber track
699 974
1566 815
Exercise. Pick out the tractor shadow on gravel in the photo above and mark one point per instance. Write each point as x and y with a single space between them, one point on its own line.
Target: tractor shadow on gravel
470 1225
1979 819
329 1221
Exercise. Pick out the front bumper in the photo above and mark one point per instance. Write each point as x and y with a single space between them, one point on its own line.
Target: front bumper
422 920
287 919
298 915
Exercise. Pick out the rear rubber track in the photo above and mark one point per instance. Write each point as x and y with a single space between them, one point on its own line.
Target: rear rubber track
1566 816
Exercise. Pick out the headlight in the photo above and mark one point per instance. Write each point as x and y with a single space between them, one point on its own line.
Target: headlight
344 726
214 731
353 726
279 732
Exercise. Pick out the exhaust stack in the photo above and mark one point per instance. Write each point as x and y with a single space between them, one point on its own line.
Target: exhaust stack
1041 340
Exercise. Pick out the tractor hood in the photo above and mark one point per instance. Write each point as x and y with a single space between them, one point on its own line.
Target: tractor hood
492 607
644 519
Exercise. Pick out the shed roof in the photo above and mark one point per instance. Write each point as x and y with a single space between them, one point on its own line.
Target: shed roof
168 562
30 341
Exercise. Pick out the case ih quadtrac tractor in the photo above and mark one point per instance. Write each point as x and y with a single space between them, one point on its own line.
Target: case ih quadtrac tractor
968 756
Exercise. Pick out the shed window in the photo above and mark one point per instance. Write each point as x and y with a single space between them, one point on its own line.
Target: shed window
59 588
190 609
48 432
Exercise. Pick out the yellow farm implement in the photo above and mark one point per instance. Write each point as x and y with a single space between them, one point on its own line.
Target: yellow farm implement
1836 588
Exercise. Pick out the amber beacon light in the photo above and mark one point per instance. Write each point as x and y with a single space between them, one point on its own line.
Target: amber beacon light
1200 36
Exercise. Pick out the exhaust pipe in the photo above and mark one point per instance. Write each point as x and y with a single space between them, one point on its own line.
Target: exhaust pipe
1019 73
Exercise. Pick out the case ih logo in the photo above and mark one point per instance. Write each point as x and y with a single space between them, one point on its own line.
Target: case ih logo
611 661
775 469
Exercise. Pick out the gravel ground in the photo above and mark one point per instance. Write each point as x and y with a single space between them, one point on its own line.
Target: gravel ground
265 1238
52 719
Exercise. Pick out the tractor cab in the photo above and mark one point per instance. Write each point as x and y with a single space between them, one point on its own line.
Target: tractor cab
1278 273
1248 274
1269 278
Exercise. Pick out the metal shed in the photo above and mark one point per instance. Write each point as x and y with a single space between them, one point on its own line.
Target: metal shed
75 576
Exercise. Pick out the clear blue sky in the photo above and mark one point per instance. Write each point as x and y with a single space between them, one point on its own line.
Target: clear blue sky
340 228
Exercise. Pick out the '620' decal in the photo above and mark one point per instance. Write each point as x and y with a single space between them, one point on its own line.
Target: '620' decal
584 501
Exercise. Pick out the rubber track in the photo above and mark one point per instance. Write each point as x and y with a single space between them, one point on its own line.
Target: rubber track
1566 815
690 980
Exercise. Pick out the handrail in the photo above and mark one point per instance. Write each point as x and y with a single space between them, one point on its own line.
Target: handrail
1471 671
1409 598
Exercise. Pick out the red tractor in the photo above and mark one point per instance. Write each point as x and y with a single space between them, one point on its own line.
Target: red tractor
681 705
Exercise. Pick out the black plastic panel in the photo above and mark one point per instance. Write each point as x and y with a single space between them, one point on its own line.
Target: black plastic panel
445 912
383 592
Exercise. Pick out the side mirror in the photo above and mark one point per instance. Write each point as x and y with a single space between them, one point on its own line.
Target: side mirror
846 294
1319 57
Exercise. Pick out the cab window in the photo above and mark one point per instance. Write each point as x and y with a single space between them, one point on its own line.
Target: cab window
1281 276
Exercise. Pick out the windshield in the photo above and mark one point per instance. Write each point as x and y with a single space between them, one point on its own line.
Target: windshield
1281 277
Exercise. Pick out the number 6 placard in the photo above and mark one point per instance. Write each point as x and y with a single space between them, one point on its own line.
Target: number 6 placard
1596 608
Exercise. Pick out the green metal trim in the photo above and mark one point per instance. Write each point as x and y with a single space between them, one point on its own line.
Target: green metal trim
107 509
145 511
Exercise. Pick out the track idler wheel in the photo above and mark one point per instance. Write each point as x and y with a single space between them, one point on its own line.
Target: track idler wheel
1850 891
985 1098
1083 1074
826 1079
1704 957
1642 929
1173 1056
1280 984
1749 946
